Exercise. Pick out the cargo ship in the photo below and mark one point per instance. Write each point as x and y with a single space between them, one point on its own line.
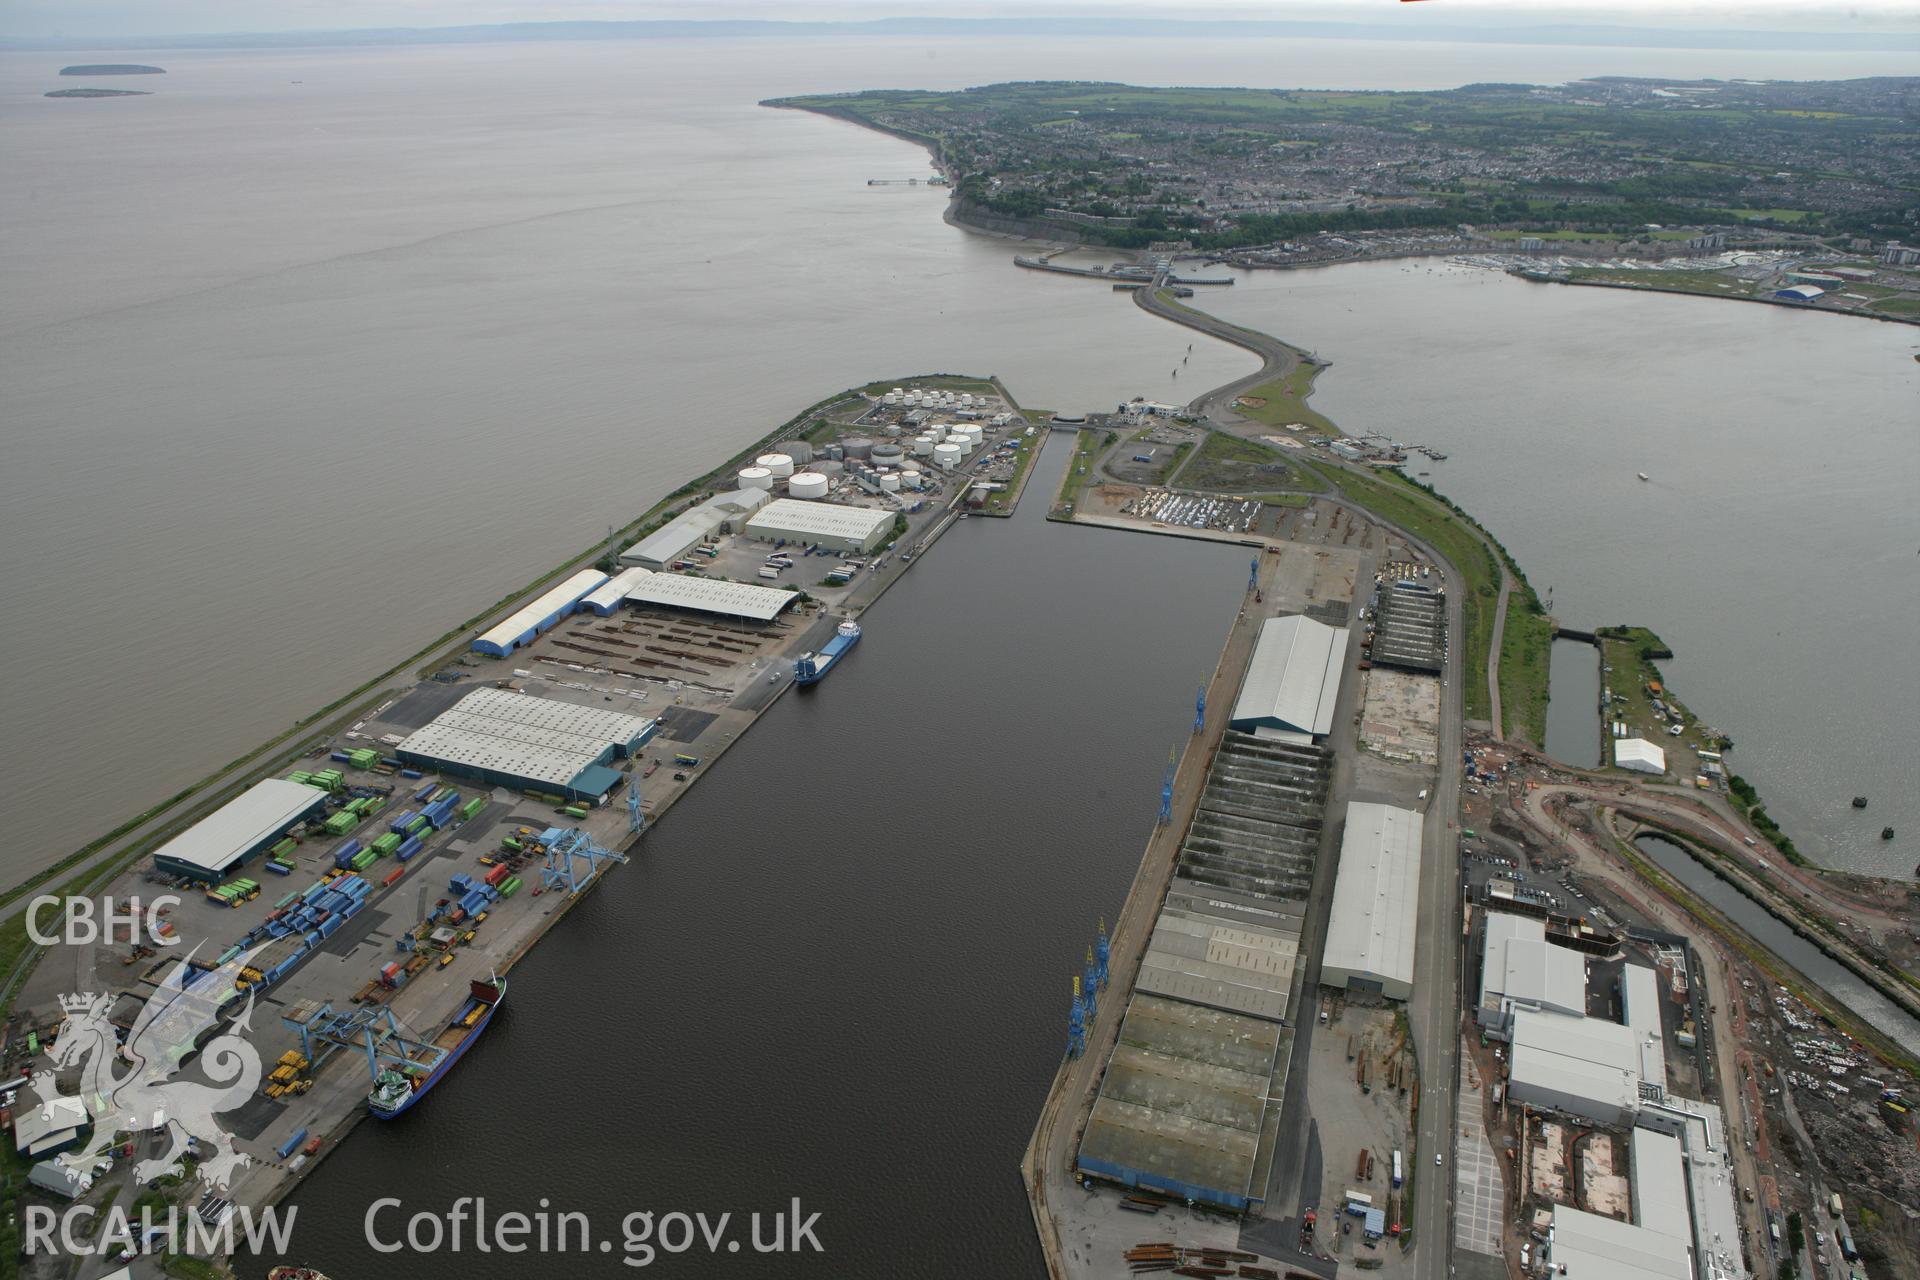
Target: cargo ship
395 1090
812 668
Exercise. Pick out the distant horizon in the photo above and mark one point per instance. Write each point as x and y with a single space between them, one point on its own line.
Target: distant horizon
1487 29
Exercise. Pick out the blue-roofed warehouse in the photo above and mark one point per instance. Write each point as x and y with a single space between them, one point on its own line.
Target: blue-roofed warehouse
225 839
534 617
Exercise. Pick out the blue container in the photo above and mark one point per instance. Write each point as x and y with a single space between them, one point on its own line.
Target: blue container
402 819
426 793
292 1144
342 756
277 869
411 773
409 847
390 762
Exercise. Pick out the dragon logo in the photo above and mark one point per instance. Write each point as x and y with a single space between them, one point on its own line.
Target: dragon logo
134 1089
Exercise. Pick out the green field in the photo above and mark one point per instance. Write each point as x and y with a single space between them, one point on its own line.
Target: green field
1228 464
1087 446
1286 401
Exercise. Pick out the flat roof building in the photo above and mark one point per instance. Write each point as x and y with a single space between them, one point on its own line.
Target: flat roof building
1583 1066
1292 680
236 831
723 513
530 619
1376 892
1520 969
1640 1009
520 741
824 524
1586 1246
1637 755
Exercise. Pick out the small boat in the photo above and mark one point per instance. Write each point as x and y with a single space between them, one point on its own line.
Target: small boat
1886 833
1642 475
395 1090
1859 802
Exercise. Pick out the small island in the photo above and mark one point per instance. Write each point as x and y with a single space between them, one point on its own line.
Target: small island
113 69
98 93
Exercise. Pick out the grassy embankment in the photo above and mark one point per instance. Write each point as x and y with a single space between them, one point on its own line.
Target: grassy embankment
1526 641
1283 402
1087 446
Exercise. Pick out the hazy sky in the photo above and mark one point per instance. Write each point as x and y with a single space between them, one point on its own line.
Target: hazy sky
129 17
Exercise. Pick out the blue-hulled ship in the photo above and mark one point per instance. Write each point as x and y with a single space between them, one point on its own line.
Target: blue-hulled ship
812 668
397 1088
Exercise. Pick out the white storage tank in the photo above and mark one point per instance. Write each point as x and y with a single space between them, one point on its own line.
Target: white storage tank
887 454
936 433
947 455
799 450
778 463
807 484
890 482
923 446
892 397
911 479
755 478
859 447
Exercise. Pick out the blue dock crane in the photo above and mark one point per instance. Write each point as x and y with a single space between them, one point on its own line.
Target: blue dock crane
566 849
1100 953
1076 1025
1200 710
635 819
1089 986
375 1034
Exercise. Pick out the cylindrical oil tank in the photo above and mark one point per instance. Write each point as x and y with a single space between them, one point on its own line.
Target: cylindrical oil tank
911 480
923 446
887 454
893 397
756 478
947 455
807 484
778 463
827 467
890 482
799 450
857 447
936 433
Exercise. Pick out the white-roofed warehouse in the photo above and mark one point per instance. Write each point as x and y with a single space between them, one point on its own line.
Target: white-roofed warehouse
238 829
520 741
1292 681
722 513
683 591
1371 930
823 524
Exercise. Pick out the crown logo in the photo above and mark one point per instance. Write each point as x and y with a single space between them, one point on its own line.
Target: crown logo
78 1002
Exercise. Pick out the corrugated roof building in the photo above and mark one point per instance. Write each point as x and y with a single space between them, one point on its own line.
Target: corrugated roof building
1586 1246
520 741
722 513
1583 1066
825 524
236 831
1376 895
530 619
743 600
1292 680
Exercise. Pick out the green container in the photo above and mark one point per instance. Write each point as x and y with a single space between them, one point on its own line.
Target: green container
420 826
284 901
362 860
511 843
473 806
574 811
299 775
341 823
510 887
443 793
375 804
284 847
387 843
